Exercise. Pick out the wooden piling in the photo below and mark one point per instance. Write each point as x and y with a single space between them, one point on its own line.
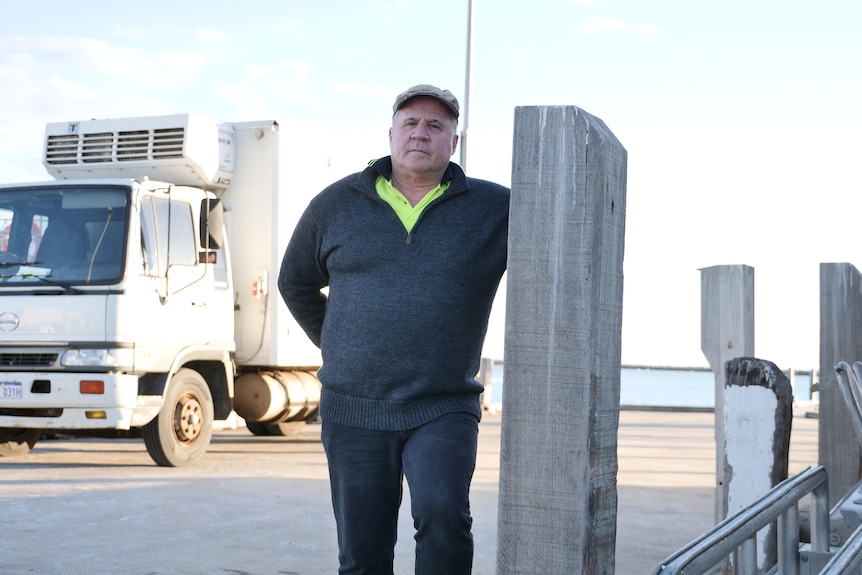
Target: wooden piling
726 332
840 340
558 463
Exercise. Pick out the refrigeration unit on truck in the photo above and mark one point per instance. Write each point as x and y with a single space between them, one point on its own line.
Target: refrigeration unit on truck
137 289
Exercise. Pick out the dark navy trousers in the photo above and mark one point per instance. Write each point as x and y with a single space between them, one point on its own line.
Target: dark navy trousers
366 470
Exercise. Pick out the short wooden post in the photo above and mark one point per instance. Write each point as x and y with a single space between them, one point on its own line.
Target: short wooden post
558 461
840 340
758 416
726 332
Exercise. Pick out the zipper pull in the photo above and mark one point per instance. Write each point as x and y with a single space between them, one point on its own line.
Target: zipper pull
409 239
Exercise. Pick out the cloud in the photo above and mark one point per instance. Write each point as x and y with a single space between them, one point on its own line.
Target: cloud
74 78
79 58
285 71
299 70
363 89
168 32
210 36
374 91
599 24
265 90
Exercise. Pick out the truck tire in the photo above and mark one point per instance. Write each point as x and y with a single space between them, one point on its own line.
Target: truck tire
258 429
181 432
286 429
15 442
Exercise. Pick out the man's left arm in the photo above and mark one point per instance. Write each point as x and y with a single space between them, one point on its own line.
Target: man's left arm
302 277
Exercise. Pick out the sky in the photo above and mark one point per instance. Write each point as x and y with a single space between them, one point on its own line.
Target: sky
741 118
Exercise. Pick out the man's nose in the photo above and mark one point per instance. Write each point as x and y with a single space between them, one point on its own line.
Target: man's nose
420 132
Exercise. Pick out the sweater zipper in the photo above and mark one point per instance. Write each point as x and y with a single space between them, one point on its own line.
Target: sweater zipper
409 239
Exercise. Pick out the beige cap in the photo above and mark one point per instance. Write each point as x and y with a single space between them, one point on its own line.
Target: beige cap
444 96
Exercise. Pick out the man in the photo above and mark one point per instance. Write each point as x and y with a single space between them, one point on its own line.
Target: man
412 252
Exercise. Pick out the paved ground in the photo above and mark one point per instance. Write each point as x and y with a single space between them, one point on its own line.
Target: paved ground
260 505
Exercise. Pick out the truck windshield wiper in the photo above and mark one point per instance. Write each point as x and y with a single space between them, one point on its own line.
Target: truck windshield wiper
47 279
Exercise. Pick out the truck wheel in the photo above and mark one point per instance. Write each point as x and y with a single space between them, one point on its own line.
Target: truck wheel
181 432
258 429
286 429
15 442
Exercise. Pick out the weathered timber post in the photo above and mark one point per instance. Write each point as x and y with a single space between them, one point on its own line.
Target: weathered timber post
558 460
726 332
756 446
840 340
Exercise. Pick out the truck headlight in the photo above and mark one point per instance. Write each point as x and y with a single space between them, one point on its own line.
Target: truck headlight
110 357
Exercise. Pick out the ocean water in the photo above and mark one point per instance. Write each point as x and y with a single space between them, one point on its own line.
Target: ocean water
664 387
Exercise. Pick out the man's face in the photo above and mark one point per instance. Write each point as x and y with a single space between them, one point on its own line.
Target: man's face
422 137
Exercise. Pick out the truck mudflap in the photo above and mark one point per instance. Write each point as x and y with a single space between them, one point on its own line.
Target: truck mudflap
276 397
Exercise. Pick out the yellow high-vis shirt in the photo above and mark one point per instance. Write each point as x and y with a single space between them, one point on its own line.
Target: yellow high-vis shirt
406 213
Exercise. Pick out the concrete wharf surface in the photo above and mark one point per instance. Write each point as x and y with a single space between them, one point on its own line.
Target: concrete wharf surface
260 505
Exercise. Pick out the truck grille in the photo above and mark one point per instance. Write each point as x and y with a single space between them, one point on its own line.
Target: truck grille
120 146
28 359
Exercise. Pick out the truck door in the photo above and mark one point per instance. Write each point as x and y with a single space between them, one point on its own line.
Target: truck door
186 288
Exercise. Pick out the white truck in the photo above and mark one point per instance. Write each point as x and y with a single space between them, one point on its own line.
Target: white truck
138 289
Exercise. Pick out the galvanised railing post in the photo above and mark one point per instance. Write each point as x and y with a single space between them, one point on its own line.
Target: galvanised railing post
788 541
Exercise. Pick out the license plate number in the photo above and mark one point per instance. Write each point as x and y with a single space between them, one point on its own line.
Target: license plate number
11 390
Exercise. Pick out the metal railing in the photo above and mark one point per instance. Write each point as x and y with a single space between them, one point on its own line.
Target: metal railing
848 559
851 389
736 535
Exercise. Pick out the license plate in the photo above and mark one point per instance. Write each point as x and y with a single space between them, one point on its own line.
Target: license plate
11 390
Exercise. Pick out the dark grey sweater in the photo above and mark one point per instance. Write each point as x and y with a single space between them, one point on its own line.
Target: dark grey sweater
402 328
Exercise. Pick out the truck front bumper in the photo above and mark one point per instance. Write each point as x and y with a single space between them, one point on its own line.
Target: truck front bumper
71 400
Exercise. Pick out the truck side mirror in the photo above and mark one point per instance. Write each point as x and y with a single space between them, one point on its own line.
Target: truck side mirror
212 223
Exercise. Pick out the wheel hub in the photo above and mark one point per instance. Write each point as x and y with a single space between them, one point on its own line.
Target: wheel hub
188 421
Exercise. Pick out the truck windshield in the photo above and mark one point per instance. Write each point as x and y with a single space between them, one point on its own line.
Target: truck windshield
62 235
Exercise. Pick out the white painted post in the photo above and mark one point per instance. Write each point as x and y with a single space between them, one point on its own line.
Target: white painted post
726 332
758 415
558 460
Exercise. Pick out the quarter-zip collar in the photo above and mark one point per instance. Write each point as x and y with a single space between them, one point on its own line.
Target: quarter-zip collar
383 167
365 184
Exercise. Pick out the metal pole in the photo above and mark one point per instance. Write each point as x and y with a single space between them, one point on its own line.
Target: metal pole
466 114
